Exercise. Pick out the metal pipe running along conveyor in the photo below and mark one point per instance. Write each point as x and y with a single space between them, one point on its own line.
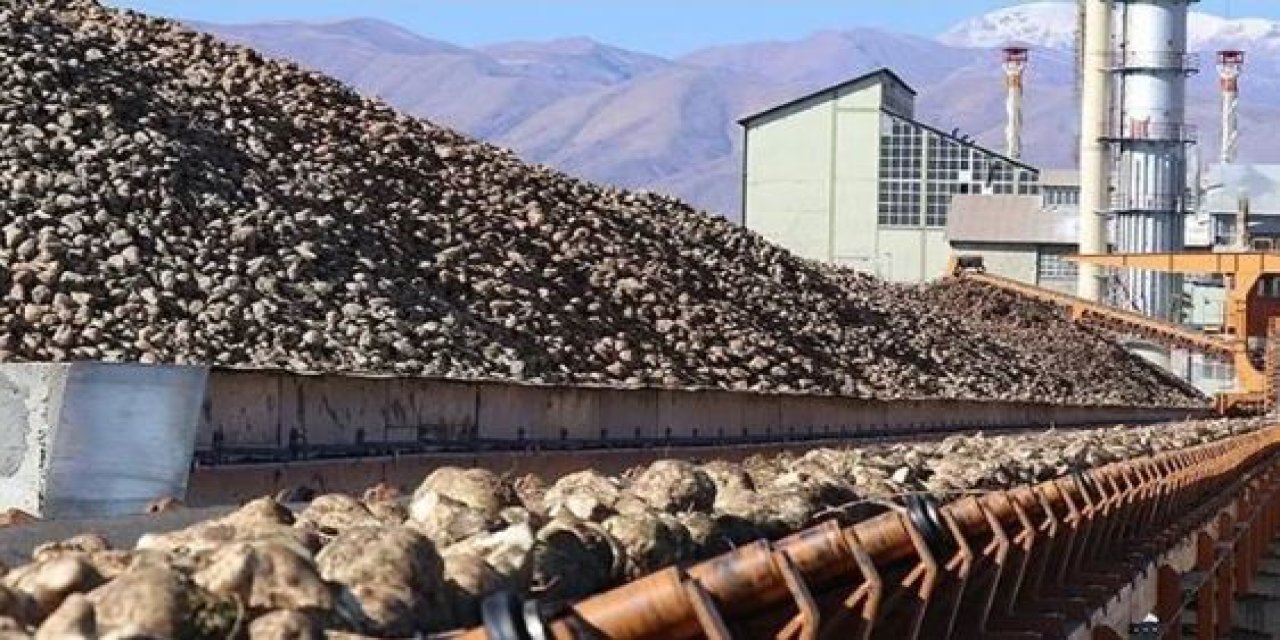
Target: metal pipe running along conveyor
1054 560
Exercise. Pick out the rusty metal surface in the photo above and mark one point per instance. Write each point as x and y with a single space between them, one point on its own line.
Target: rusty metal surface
1034 562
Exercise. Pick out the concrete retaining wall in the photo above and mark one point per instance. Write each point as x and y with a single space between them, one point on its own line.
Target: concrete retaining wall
262 409
94 439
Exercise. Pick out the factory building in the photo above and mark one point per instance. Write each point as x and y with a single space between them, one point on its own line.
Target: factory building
848 175
1021 236
1024 237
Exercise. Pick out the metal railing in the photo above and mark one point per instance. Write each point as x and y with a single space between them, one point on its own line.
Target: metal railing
1132 130
1121 201
1155 60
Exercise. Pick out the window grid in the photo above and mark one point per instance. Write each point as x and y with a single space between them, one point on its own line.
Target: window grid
911 177
1214 369
901 150
1061 196
1054 266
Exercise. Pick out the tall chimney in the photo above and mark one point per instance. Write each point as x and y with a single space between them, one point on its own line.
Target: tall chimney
1230 64
1015 64
1151 137
1095 99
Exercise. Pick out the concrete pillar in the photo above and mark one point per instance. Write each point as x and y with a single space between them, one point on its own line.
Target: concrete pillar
96 439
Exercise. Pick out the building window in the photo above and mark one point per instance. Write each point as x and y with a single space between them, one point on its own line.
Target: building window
1269 287
1214 369
1000 172
1224 230
901 160
914 181
937 200
1053 266
997 176
1061 196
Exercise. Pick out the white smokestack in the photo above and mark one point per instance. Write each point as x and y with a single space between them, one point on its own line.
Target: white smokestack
1230 65
1015 65
1095 99
1151 136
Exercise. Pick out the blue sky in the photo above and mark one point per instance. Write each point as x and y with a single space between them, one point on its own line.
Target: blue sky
665 27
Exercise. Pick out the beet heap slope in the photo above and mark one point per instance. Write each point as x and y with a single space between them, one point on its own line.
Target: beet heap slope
168 198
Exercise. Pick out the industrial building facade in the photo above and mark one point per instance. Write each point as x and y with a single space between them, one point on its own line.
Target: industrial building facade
847 175
1024 237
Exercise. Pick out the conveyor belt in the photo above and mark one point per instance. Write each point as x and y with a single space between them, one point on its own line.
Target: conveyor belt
1048 561
1254 385
1113 319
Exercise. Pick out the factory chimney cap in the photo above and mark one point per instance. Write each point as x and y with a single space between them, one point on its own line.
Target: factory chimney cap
1230 57
1016 54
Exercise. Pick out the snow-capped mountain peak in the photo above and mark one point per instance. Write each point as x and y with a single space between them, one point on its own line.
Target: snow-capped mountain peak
1053 25
1042 24
1250 34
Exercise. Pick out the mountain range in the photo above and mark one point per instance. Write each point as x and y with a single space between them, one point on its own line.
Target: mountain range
670 124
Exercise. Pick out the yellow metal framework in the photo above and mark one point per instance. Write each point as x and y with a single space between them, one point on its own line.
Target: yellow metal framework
1243 271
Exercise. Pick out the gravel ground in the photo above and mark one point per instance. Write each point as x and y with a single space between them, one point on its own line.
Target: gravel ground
391 564
168 198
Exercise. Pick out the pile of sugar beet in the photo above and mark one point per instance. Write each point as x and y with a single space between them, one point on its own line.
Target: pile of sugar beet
386 567
165 197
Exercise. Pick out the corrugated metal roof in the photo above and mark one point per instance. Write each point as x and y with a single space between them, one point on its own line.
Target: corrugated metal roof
1009 220
1060 177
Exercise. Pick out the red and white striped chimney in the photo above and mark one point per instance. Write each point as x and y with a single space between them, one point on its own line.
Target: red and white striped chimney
1015 66
1230 66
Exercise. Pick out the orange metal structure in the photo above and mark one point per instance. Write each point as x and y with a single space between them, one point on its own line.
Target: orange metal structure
1041 561
1247 323
1249 277
1251 305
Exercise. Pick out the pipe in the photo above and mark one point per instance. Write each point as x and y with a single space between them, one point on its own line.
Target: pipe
1242 223
1095 98
1015 65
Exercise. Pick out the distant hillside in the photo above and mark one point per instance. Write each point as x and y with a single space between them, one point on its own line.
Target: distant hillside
638 120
